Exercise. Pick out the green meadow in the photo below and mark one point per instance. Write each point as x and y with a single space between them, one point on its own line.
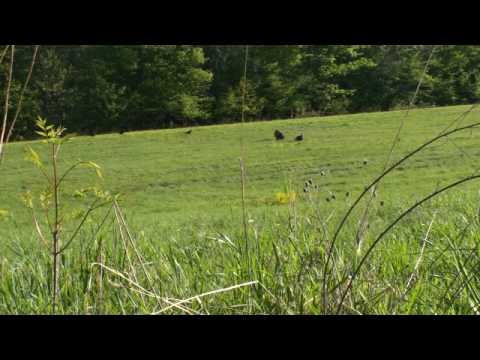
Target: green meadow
169 177
182 200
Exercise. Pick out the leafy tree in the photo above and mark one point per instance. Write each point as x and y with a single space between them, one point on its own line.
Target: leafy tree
109 88
455 73
174 85
392 77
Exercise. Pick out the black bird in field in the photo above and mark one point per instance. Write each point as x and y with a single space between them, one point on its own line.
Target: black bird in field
299 138
189 132
279 135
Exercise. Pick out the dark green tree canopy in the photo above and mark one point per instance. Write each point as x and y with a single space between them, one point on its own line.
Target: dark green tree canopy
113 88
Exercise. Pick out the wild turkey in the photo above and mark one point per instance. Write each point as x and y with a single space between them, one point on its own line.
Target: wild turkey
279 135
299 138
189 132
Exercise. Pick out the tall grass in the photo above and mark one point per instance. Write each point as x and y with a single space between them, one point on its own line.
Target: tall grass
115 269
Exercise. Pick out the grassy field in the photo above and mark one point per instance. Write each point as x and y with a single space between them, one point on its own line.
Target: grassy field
182 199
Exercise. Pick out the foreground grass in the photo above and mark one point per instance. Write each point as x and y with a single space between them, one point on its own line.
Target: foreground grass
429 265
183 237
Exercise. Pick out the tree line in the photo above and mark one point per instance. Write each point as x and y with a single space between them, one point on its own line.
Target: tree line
105 88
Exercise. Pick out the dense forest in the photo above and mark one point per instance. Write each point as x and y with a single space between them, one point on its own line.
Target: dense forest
105 88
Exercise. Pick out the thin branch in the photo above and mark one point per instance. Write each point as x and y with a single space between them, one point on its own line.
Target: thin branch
243 174
39 230
462 117
4 52
251 283
20 101
7 100
73 167
85 217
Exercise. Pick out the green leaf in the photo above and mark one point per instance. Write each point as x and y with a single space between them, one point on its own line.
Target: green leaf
97 169
33 157
41 123
91 163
